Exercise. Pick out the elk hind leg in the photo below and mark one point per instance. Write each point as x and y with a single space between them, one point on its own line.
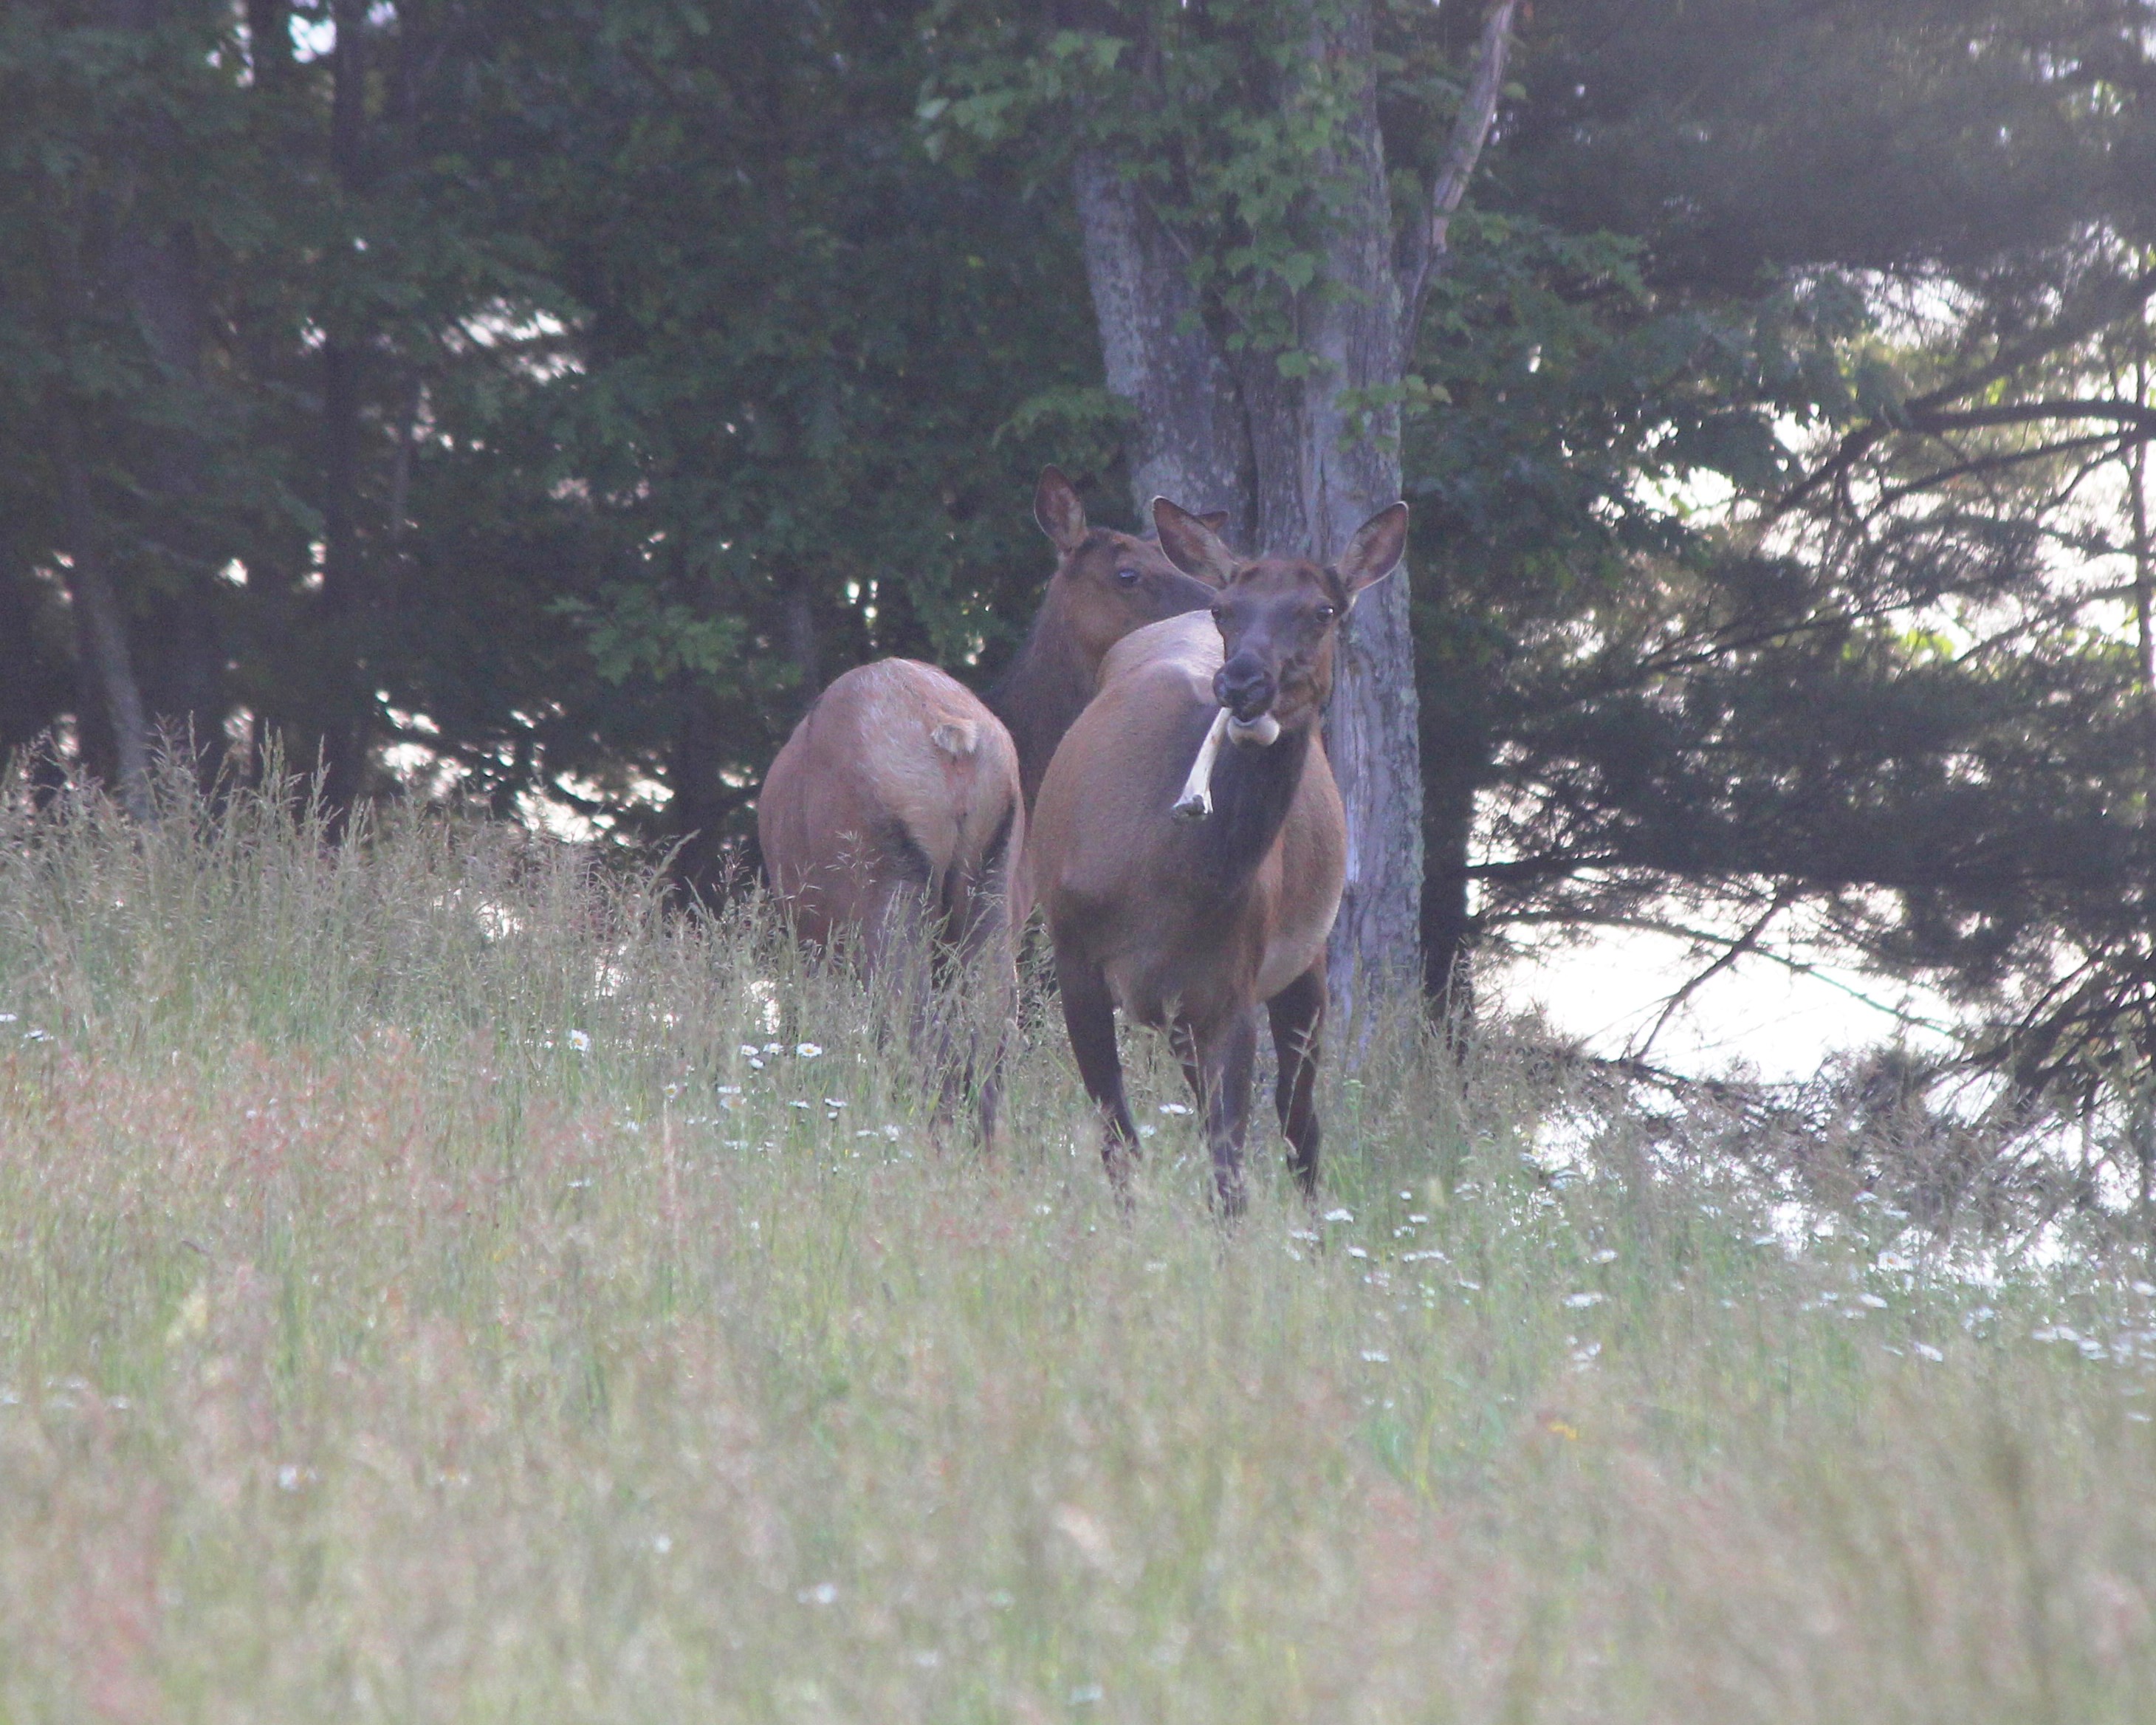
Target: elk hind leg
1227 1058
1297 1014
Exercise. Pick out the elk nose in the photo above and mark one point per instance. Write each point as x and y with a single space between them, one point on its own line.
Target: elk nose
1243 686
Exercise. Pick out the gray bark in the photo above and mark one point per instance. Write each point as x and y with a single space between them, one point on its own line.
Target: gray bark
1190 443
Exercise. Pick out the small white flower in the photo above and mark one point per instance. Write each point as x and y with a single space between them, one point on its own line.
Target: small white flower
1606 1255
1871 1300
891 1132
797 1105
824 1593
662 1543
1173 1108
1580 1302
2145 1289
833 1102
581 1041
730 1090
756 1063
1146 1132
9 1018
1340 1216
1376 1356
1357 1252
748 1049
288 1477
774 1048
1924 1350
808 1050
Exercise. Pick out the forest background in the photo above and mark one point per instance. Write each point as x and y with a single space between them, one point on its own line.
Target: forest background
536 403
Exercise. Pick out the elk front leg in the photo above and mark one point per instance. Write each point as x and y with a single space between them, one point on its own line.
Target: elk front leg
1297 1012
1089 1015
1227 1055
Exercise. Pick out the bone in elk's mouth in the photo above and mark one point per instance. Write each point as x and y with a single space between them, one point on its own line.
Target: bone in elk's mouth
1195 801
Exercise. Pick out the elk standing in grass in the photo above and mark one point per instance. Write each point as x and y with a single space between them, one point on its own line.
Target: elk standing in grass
1191 925
894 813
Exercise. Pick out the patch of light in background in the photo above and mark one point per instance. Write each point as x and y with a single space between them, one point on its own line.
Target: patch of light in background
1609 991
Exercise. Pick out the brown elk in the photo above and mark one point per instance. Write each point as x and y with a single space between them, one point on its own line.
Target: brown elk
1106 584
897 806
894 810
1190 925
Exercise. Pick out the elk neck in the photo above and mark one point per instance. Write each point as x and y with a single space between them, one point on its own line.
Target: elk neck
1045 689
1252 790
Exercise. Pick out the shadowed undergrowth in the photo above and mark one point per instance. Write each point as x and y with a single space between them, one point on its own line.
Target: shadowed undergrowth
438 1282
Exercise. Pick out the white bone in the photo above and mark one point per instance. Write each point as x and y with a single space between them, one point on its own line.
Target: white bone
1196 801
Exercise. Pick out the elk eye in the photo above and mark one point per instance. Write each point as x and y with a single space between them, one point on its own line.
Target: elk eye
1325 613
1219 613
1128 577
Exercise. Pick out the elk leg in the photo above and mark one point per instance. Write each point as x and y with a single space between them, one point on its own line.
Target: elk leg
1297 1012
1227 1056
1184 1040
1089 1015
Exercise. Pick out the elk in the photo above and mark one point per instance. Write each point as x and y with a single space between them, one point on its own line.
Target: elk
1190 925
894 810
1106 584
898 802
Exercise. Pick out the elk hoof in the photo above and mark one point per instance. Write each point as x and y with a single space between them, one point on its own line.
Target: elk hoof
1193 807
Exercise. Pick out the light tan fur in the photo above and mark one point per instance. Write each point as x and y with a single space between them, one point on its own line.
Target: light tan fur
893 810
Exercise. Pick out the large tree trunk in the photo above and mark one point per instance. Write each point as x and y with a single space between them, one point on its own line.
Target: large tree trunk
1220 426
1190 442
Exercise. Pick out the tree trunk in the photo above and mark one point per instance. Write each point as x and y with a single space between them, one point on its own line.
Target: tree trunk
348 731
1288 456
101 626
1190 442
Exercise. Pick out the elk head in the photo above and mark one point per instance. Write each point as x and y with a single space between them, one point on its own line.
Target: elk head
1108 583
1279 616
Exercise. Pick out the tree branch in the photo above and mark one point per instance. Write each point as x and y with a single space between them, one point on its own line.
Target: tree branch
1427 243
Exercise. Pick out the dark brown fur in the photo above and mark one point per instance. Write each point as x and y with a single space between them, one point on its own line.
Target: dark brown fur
1106 584
1191 925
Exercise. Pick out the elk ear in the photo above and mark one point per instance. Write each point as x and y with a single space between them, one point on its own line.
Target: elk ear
1215 519
1056 508
1374 552
1191 544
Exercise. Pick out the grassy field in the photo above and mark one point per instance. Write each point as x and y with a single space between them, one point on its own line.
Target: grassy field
434 1284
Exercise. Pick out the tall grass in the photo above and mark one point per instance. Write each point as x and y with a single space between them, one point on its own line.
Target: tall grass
438 1282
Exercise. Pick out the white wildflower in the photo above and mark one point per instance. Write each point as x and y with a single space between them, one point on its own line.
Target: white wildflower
1340 1216
1175 1108
808 1050
1376 1356
581 1041
1580 1302
1924 1350
824 1593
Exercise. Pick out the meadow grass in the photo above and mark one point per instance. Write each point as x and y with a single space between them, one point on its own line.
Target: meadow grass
438 1281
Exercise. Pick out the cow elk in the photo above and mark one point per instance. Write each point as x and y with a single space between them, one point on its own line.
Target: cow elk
892 814
1106 584
1190 925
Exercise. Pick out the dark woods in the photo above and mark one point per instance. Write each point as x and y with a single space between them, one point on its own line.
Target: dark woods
539 403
